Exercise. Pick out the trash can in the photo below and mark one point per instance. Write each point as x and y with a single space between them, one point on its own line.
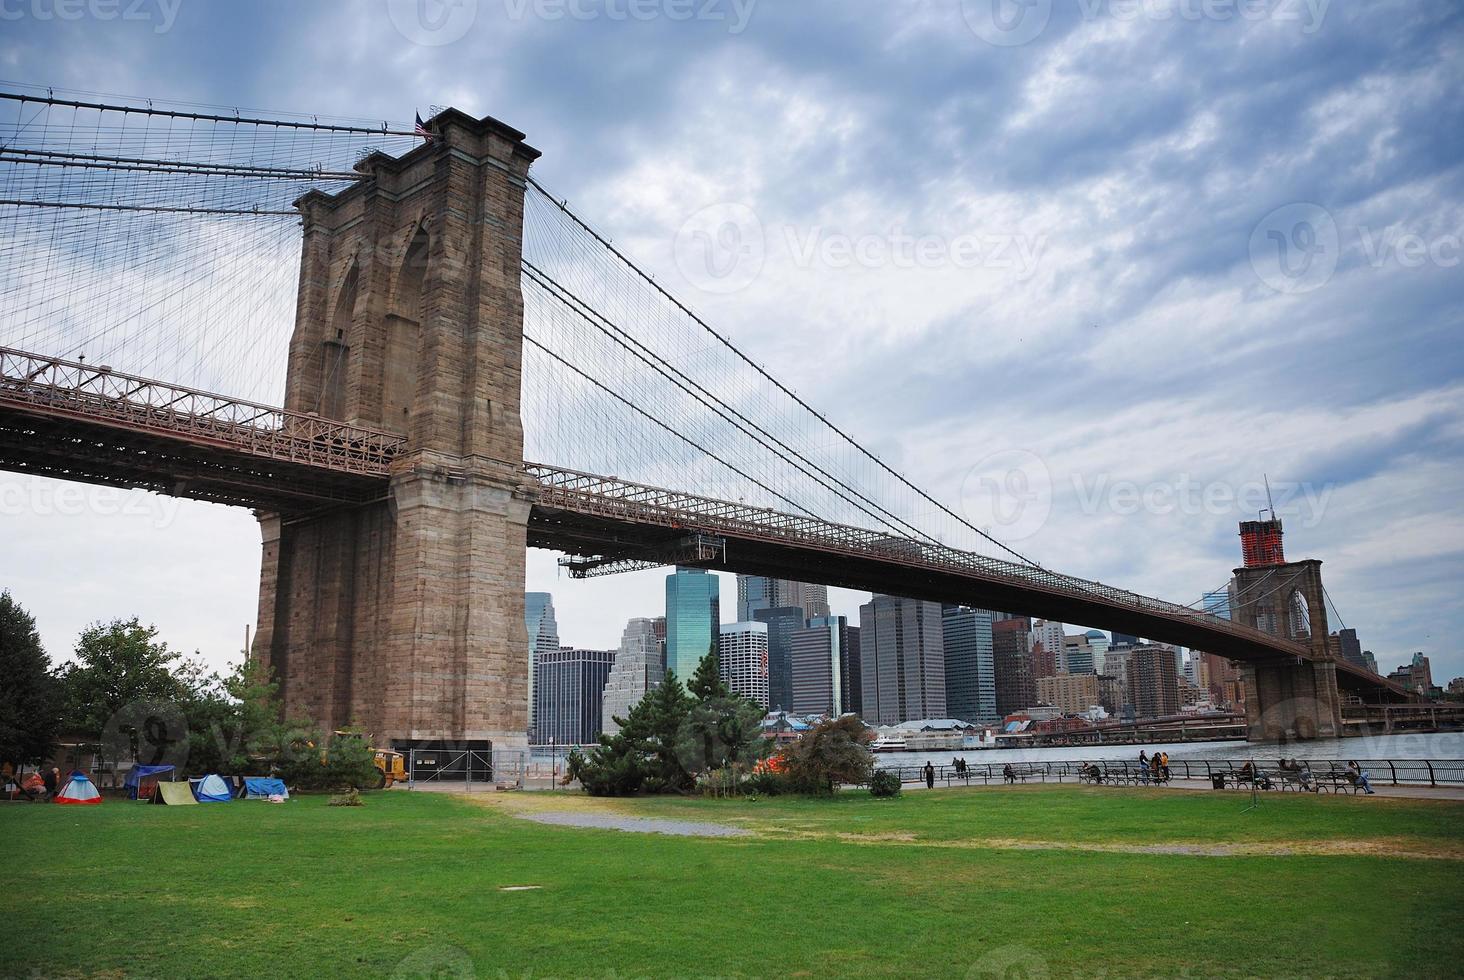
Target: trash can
1217 780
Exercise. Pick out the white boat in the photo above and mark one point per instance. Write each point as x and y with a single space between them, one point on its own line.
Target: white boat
888 743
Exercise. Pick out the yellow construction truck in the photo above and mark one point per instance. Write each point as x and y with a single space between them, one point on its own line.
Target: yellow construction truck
391 765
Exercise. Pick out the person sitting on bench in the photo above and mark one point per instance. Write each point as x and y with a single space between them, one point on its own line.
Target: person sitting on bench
1357 776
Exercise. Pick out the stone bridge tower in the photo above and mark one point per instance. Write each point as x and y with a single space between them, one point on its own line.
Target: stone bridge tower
1290 698
406 615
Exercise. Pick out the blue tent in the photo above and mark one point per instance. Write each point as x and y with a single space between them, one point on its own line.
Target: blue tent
137 774
260 788
210 789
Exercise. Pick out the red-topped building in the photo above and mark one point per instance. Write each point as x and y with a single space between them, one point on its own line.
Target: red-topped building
1260 543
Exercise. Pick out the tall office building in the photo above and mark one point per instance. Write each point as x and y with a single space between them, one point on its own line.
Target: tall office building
640 665
902 660
1115 677
1082 652
543 637
1011 655
1217 603
1046 643
756 592
853 693
1098 642
782 623
693 614
1124 639
970 666
1349 649
1222 679
570 694
822 654
743 659
1153 682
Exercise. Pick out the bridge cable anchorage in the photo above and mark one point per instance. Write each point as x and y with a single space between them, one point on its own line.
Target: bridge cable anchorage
779 385
648 356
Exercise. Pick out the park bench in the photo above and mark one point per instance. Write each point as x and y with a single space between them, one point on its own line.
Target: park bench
1291 779
1240 777
1024 773
1336 780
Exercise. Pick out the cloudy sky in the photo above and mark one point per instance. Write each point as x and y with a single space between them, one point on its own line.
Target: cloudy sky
1085 269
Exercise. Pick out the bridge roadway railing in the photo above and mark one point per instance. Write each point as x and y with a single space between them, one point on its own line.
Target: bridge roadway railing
57 388
1382 772
614 498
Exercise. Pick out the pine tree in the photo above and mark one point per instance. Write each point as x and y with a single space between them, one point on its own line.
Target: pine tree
668 708
706 683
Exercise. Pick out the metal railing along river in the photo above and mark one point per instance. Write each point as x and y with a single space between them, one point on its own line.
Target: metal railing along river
1382 772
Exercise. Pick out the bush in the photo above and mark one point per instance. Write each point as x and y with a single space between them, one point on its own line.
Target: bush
829 754
350 797
611 768
766 782
884 783
351 762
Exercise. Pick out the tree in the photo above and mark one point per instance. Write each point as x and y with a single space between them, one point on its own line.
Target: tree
721 730
643 754
30 710
666 707
117 664
706 682
830 753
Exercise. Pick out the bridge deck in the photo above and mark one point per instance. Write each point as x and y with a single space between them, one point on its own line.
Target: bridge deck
75 421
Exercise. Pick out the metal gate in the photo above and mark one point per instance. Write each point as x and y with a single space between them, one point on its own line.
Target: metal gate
468 768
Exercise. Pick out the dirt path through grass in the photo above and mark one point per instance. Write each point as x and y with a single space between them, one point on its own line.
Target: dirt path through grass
613 814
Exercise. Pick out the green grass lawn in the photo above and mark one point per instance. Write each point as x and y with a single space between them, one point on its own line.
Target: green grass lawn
410 885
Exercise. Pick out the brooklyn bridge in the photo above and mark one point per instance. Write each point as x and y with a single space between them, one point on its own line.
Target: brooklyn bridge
474 370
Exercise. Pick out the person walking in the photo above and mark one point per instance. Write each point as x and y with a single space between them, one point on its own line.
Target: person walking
1143 758
929 776
1357 776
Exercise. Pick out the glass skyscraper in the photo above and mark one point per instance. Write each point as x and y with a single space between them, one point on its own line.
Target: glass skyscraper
756 592
693 618
783 622
543 638
970 663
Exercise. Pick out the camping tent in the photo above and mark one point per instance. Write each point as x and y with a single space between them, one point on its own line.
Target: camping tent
141 779
173 794
211 789
78 789
260 788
